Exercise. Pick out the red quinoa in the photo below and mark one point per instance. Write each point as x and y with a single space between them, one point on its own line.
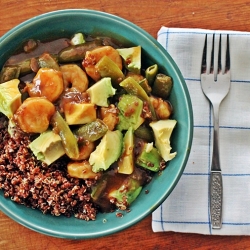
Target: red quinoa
50 189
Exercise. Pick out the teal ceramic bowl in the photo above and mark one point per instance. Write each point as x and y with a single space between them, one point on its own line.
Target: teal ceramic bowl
65 23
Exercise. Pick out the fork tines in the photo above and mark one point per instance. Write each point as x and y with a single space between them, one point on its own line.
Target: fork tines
216 57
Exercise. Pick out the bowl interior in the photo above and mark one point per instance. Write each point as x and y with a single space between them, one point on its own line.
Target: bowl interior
65 23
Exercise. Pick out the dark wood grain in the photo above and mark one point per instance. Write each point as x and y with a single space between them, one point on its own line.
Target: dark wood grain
149 15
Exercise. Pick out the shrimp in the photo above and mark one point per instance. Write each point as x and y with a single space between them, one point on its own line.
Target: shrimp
109 116
85 149
33 116
75 77
162 108
94 56
47 83
82 170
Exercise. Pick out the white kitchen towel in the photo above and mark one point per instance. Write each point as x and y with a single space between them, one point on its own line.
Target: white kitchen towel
187 207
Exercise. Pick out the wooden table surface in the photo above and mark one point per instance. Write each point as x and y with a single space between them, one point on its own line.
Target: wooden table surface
149 15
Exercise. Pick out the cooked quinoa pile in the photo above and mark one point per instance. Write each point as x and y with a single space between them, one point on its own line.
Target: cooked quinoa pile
29 182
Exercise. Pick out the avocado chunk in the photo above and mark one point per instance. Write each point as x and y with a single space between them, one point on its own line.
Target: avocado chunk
101 91
126 161
127 193
130 109
79 113
162 131
149 158
77 39
47 147
10 97
107 151
132 58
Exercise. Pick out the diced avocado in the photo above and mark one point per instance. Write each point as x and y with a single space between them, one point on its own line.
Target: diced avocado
10 97
130 109
149 158
78 38
126 194
47 147
126 161
101 91
132 58
162 131
107 151
79 113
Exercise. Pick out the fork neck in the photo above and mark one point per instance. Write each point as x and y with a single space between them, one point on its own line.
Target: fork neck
216 155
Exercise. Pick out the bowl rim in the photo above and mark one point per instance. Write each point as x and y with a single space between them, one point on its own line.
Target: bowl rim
63 12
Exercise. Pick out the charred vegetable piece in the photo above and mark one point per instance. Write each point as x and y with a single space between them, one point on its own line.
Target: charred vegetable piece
162 86
92 131
149 158
77 52
151 73
48 61
144 133
9 73
134 88
68 139
126 194
108 68
126 161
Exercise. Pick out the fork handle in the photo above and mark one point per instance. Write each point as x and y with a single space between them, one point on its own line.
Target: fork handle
216 177
216 189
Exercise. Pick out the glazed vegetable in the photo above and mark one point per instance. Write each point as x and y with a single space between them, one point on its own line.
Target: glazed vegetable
68 139
92 131
162 86
108 68
9 73
77 52
48 61
151 73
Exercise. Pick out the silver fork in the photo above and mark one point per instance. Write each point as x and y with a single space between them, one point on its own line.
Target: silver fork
215 83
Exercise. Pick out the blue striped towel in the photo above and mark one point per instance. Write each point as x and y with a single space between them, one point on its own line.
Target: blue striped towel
187 207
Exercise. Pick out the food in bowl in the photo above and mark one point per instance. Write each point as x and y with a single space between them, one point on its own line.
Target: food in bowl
84 125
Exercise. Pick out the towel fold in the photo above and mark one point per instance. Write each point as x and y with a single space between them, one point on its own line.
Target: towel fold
187 207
